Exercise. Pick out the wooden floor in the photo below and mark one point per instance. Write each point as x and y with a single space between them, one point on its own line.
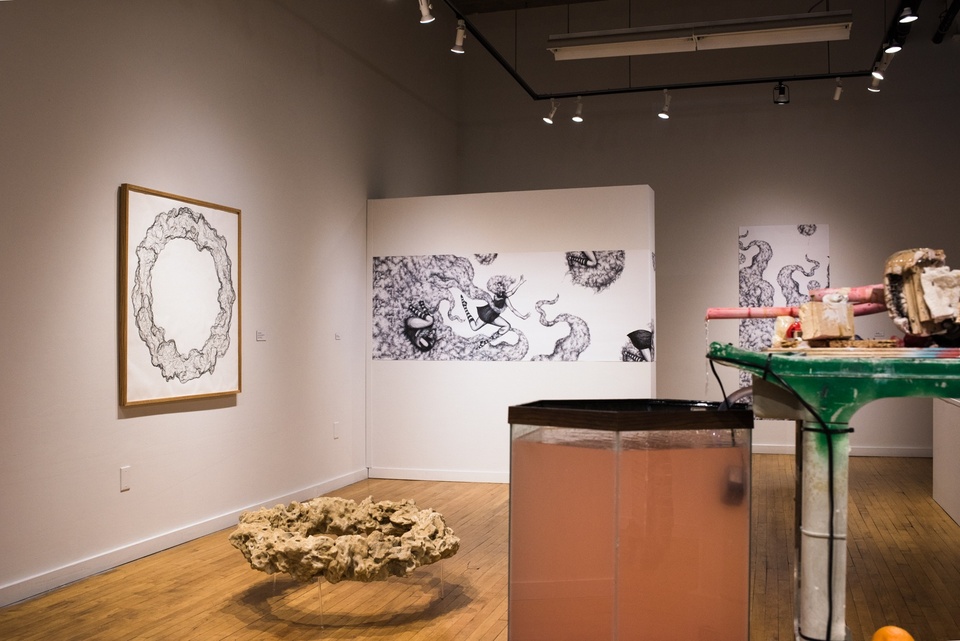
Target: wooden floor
904 569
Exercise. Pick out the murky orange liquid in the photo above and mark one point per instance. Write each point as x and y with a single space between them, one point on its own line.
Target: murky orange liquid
667 561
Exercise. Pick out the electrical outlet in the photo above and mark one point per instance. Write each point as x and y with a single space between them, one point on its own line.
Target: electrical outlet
336 430
125 478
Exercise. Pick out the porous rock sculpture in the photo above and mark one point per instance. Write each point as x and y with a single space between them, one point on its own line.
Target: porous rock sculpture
340 539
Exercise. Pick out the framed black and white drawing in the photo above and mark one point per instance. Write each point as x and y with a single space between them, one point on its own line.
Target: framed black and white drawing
179 298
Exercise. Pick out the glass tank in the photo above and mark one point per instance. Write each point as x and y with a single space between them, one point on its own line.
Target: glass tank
629 519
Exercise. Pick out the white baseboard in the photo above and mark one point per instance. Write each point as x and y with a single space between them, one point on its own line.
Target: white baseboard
905 452
40 583
409 474
772 448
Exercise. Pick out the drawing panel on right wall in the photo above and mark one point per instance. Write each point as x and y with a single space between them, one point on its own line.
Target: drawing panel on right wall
778 265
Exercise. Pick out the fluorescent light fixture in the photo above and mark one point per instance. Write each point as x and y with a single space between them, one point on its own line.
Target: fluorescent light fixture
665 112
578 112
801 28
425 15
461 34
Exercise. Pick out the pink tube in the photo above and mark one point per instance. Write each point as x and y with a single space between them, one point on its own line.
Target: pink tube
865 309
862 294
719 313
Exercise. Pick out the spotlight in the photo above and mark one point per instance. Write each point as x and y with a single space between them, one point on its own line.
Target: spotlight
880 66
907 16
553 111
838 90
425 15
874 86
461 34
781 94
665 112
893 46
578 113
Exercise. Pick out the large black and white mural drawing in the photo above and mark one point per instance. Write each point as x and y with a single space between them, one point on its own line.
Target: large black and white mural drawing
779 264
549 306
180 292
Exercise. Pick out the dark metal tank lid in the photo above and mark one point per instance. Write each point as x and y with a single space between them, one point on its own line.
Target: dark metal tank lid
627 415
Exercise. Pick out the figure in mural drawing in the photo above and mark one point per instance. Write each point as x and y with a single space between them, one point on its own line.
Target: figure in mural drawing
491 313
419 327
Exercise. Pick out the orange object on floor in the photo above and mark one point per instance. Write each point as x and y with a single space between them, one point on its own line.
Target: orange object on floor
891 633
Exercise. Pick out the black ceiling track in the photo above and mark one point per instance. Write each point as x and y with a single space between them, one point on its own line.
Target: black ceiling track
464 8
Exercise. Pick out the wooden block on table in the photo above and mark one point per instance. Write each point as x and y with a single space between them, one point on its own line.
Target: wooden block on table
820 320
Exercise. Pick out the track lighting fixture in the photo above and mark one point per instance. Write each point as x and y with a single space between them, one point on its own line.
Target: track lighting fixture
578 112
553 111
874 86
425 15
781 94
838 90
880 66
665 112
893 46
461 34
907 16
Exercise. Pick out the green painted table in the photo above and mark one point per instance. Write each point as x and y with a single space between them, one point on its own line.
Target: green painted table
821 389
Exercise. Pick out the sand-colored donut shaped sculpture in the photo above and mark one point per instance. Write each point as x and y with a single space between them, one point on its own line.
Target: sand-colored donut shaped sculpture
342 540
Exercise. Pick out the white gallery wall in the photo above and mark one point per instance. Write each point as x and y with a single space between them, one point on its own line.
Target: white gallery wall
880 169
299 111
447 420
293 112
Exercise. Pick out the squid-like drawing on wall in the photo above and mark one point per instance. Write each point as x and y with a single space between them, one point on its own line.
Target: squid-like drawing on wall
569 347
755 292
779 249
431 307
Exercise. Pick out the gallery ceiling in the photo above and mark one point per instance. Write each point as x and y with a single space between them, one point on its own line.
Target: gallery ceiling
521 33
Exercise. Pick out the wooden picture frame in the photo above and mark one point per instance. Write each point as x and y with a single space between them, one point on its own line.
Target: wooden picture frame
179 298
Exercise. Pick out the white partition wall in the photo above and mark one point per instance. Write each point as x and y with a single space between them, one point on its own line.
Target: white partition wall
444 417
946 452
